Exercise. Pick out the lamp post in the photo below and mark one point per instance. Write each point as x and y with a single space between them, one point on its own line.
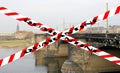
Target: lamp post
106 35
106 22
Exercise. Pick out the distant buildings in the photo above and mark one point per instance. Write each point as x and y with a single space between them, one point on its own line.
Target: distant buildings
111 29
20 35
23 34
7 36
114 29
95 28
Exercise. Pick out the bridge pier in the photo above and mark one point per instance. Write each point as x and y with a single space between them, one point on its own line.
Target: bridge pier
71 67
90 63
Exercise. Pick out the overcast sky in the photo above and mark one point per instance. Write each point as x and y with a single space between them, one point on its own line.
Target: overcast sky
55 13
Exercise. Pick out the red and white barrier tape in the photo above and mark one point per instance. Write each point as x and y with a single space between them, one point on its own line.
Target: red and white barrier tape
53 39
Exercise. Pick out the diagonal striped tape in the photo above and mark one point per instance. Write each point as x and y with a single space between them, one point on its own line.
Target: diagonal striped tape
106 15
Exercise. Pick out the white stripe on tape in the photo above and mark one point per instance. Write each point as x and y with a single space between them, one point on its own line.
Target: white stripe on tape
5 61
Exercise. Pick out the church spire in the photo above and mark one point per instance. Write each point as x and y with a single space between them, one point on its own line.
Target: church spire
18 28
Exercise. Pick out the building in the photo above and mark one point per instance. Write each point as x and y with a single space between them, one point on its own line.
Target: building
23 35
7 36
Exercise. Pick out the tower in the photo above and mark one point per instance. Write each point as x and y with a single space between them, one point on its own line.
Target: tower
18 28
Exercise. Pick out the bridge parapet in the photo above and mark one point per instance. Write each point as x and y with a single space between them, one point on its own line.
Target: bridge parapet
112 39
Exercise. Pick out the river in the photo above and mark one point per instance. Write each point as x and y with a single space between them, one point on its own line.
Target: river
28 64
31 64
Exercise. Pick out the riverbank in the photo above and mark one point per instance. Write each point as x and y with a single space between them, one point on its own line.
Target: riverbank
18 44
50 51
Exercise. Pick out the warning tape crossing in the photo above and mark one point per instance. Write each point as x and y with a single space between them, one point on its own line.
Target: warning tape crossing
60 35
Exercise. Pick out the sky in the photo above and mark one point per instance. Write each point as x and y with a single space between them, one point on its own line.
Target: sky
59 14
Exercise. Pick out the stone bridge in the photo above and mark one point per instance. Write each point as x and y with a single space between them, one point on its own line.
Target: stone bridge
80 58
109 39
103 39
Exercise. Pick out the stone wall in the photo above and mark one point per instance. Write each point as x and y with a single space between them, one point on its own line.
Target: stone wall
57 49
91 63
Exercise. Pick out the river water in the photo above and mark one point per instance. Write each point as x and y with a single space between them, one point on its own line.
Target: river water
28 64
31 64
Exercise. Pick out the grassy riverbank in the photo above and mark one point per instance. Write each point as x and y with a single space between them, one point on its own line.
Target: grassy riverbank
14 44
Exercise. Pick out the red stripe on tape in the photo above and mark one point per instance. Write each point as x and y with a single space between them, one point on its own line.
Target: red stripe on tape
117 10
58 36
39 24
11 13
94 20
70 40
22 19
106 15
46 42
23 53
2 8
35 47
82 25
117 61
11 58
70 31
106 56
86 45
1 62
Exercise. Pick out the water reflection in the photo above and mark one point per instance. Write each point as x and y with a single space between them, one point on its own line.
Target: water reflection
71 67
53 64
56 65
31 64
